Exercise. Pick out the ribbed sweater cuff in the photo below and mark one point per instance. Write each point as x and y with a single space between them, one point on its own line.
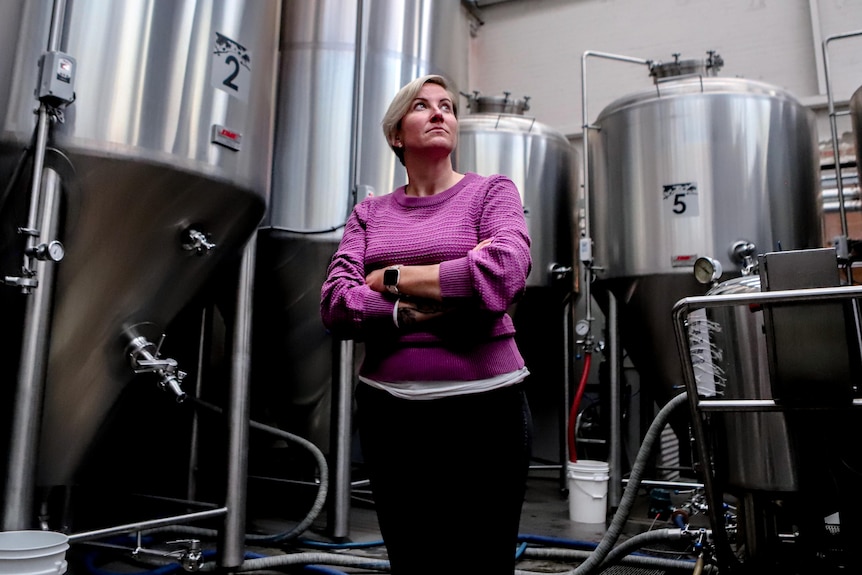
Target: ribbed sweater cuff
455 279
378 306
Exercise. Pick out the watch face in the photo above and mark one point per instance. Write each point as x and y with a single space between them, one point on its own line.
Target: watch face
390 277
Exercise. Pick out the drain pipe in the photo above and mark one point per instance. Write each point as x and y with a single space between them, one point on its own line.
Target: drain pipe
40 249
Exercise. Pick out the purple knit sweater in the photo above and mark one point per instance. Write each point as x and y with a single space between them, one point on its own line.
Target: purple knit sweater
475 341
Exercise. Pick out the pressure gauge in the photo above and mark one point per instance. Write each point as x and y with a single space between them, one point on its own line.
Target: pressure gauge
582 328
53 251
707 270
56 251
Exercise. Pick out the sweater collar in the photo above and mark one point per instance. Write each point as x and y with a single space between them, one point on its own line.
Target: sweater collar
412 201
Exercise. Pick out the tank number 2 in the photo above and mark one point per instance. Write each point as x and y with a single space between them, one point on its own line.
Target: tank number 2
682 198
231 66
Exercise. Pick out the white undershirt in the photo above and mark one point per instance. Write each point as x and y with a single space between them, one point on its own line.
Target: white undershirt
441 389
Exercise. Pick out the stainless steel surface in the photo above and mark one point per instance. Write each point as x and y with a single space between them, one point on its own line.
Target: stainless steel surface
748 149
833 124
586 241
699 402
689 168
757 446
340 451
317 100
856 119
543 164
615 491
26 416
315 176
41 227
232 544
138 169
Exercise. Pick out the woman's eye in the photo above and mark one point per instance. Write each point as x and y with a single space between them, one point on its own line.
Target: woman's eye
419 106
446 107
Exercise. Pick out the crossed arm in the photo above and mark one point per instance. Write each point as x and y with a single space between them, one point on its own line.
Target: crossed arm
421 298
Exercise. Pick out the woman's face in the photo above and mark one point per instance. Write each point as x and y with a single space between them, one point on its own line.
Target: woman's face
430 122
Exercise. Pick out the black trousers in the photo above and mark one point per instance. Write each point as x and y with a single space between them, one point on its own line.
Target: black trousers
448 478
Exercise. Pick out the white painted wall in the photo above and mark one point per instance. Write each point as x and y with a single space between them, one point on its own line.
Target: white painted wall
534 48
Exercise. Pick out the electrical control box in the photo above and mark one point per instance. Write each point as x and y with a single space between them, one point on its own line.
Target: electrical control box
56 78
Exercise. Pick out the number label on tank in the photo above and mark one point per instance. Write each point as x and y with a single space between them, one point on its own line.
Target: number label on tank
681 198
231 66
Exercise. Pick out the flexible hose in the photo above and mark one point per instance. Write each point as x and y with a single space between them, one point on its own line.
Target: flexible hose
641 561
593 558
557 541
630 493
323 488
573 413
274 561
638 541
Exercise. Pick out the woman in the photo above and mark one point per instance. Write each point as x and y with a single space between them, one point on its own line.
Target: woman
424 276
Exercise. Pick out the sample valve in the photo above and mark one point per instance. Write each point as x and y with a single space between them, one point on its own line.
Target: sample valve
190 555
197 241
145 357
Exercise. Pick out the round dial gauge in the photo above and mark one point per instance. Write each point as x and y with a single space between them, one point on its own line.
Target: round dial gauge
707 270
582 328
56 251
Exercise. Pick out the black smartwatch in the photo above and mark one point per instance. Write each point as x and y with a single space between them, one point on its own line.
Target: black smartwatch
391 275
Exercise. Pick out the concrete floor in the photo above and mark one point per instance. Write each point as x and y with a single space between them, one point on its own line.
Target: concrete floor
545 529
545 524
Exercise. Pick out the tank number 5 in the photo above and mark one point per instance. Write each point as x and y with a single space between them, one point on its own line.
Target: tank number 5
682 198
231 66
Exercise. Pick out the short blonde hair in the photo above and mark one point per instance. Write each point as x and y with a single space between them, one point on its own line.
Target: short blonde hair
400 105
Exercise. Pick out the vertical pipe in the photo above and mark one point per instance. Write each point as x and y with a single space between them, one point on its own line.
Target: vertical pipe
339 510
18 513
342 400
567 396
615 479
34 352
194 440
834 127
233 535
587 238
817 35
358 106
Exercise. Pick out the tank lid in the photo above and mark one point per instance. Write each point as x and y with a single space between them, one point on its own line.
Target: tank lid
496 104
708 67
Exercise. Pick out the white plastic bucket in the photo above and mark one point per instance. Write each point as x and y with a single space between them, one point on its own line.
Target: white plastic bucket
33 553
588 491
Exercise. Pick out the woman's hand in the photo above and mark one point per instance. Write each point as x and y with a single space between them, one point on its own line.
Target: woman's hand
374 280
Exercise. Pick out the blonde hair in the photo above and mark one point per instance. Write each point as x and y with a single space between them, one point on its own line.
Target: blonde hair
400 105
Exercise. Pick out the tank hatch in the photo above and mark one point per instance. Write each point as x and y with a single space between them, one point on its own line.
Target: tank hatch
504 104
706 67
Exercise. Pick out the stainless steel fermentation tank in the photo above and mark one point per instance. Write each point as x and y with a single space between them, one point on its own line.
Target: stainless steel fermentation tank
341 64
694 166
497 136
164 161
770 388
